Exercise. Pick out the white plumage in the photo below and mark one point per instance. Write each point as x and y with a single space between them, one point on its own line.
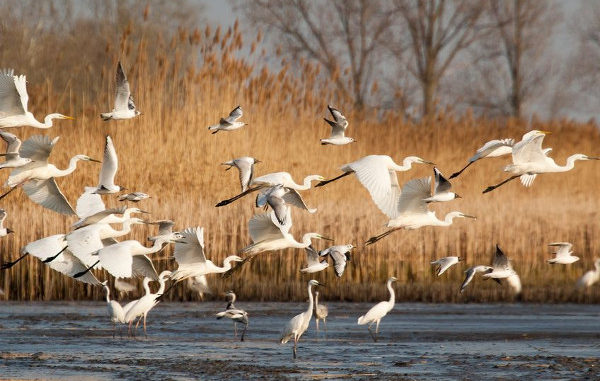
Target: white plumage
443 264
124 106
338 129
493 148
563 253
378 311
12 157
245 167
230 123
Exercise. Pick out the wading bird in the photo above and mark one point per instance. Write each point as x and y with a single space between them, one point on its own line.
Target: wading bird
493 148
230 123
13 103
38 177
410 210
146 302
235 314
338 129
12 157
245 167
590 277
321 312
443 264
340 255
4 231
563 254
530 160
378 311
299 323
115 310
124 106
200 285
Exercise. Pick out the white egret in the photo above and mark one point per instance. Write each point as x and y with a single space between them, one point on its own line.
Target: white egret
38 177
115 310
493 148
124 287
245 167
443 264
321 312
563 254
4 231
442 189
12 157
235 314
191 259
410 210
147 302
230 123
124 106
13 103
110 164
530 160
340 255
338 129
272 179
299 323
471 273
378 311
313 261
133 197
200 285
590 277
278 198
502 269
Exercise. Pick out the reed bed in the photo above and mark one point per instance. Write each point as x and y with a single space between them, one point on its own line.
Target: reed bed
184 83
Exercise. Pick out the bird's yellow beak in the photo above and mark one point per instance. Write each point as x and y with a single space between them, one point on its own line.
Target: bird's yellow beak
468 216
68 117
546 132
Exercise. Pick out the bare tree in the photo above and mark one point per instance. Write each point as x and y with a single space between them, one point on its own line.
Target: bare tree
438 30
345 37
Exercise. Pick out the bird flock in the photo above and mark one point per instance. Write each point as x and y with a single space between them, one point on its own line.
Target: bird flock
93 241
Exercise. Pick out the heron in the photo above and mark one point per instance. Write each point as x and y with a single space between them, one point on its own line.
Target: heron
378 311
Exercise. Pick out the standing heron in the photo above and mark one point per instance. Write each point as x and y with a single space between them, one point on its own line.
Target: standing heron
299 323
590 277
378 311
124 105
115 310
147 302
321 313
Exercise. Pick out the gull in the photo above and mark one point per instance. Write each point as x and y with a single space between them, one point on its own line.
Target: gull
530 160
110 164
245 167
377 173
230 123
4 231
124 287
338 128
200 285
38 177
91 210
502 269
147 302
235 314
493 148
13 159
278 198
471 273
13 103
410 210
321 312
165 229
563 253
444 264
590 277
133 197
442 188
124 106
299 323
272 179
378 311
340 255
313 259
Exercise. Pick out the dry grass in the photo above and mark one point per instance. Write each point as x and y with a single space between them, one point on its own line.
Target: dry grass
168 153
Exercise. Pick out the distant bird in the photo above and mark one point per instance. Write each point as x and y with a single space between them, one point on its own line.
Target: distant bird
299 323
272 179
115 310
377 312
493 148
530 160
314 263
124 106
200 285
165 230
91 210
410 210
147 302
133 197
38 177
563 254
590 277
442 189
230 123
13 103
444 264
279 198
340 255
191 259
502 269
124 287
321 312
4 231
245 166
235 314
110 165
13 159
338 129
471 273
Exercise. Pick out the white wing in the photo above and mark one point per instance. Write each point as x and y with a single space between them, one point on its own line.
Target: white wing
491 146
12 141
110 164
529 150
82 242
190 248
261 227
13 94
339 260
441 184
122 90
47 194
515 283
38 148
245 172
142 266
234 115
564 248
527 180
46 247
66 263
413 193
117 260
89 204
312 257
339 118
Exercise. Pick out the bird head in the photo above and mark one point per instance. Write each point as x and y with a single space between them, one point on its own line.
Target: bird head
456 195
87 158
256 161
418 160
460 259
313 282
8 231
60 116
234 258
392 279
138 113
466 216
319 236
580 156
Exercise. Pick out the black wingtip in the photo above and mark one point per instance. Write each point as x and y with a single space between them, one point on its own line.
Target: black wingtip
455 174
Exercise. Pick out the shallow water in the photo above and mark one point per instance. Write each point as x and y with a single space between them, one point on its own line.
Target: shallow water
417 341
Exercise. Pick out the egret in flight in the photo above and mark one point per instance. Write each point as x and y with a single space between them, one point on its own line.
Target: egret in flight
378 311
493 148
230 123
338 129
124 105
13 103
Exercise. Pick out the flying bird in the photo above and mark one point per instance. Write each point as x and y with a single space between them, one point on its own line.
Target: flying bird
502 269
165 229
442 189
245 167
124 105
471 273
338 129
4 231
493 148
443 264
340 254
13 103
279 198
313 260
378 311
110 165
12 157
133 197
230 123
563 253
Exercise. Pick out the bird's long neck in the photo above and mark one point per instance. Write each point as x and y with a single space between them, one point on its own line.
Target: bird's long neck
448 219
570 164
47 122
306 184
162 282
158 244
147 286
306 241
406 165
72 166
392 294
226 267
310 301
107 294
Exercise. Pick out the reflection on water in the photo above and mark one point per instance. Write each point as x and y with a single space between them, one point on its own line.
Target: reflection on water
417 341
